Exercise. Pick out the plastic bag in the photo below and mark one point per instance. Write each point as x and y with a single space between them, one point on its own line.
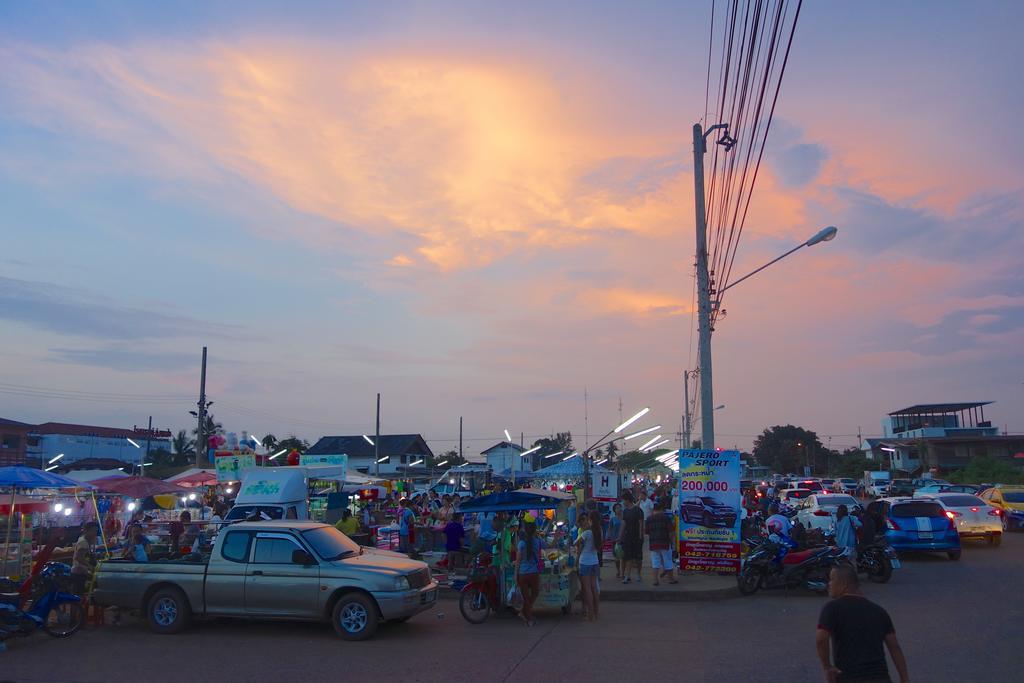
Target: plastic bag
514 598
617 551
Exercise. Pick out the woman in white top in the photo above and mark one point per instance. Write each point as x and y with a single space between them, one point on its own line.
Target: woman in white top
588 560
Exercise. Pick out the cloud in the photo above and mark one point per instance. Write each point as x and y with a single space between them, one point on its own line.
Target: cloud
64 310
800 164
127 360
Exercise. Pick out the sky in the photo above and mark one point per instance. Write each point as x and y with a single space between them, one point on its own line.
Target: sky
485 210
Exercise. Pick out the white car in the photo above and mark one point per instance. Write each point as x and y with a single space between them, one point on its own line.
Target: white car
972 516
819 511
845 485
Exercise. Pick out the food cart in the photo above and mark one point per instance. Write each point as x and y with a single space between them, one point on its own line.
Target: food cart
559 584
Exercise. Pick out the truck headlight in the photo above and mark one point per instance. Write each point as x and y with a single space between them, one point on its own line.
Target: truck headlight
401 583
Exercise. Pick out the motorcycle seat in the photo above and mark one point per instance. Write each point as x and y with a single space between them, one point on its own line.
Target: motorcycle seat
799 556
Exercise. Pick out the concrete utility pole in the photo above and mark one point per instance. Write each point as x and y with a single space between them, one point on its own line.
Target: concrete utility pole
460 439
376 441
707 405
201 414
145 459
686 409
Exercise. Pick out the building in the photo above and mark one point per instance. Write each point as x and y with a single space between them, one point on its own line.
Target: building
72 442
401 455
15 438
504 458
941 437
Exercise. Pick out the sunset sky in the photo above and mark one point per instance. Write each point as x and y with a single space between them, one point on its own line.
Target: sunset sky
485 209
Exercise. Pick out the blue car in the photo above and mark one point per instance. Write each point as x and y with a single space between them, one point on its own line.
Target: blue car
918 525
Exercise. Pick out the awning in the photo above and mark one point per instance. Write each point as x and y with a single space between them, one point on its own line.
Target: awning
511 501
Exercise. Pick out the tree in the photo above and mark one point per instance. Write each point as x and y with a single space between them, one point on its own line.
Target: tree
611 452
211 427
451 456
695 444
270 443
786 448
557 443
293 443
184 448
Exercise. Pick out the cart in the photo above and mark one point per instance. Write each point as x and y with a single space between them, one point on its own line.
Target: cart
492 576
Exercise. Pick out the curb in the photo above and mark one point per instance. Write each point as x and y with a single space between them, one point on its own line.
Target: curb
641 596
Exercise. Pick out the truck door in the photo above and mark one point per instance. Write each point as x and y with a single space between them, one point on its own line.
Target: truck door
275 586
225 575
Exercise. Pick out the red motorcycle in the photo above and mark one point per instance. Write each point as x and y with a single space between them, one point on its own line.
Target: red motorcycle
480 595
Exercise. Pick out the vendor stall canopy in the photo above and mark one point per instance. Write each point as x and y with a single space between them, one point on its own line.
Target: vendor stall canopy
24 477
137 487
512 501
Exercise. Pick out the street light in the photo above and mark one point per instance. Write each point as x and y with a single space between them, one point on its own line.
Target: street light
642 432
824 235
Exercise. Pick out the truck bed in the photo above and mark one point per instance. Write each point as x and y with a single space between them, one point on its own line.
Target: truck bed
125 583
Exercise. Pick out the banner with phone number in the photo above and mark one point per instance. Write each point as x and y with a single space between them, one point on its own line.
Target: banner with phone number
709 510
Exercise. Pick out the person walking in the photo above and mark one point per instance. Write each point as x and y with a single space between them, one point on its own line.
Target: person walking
846 532
632 538
855 629
589 563
528 568
406 524
615 535
659 535
83 561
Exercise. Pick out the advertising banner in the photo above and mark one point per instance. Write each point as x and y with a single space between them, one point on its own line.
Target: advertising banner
604 486
709 510
232 466
340 460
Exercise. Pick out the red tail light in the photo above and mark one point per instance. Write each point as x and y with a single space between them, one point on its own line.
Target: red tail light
952 514
995 512
822 513
974 509
891 523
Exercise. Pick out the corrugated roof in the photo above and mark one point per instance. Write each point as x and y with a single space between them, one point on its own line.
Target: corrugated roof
503 444
14 423
930 408
356 446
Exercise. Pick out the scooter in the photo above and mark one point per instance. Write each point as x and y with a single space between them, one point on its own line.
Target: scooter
877 560
480 594
52 609
768 567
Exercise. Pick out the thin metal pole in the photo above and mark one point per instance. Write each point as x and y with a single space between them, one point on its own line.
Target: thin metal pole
142 468
201 432
707 404
376 441
460 439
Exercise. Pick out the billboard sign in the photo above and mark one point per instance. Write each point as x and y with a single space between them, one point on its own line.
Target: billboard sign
232 465
709 510
604 486
340 460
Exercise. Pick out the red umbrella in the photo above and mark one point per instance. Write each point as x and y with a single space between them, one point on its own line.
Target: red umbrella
136 487
197 479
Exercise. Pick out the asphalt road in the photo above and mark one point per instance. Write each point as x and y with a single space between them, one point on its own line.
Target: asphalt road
958 621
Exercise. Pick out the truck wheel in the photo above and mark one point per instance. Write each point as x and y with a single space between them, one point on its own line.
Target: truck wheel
355 617
168 611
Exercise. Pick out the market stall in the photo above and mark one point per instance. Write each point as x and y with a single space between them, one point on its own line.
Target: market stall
559 584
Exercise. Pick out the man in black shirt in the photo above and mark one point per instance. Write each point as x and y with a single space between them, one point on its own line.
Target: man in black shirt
857 627
632 538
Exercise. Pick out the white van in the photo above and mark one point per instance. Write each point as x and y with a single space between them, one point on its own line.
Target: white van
278 492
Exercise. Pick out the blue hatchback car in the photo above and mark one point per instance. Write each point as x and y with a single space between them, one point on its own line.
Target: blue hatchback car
918 525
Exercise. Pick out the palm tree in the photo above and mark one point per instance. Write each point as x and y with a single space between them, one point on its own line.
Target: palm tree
184 448
210 428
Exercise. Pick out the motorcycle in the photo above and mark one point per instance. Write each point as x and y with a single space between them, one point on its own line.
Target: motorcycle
52 608
877 560
805 568
480 594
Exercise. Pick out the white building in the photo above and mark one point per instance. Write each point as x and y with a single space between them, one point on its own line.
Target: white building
82 442
505 458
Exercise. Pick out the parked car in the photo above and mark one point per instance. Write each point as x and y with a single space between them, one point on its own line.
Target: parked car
1009 499
707 511
827 484
793 496
917 524
973 517
845 485
930 490
901 487
288 569
819 510
963 488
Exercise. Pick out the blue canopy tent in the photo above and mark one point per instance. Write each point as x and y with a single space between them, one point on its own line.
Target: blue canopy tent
513 501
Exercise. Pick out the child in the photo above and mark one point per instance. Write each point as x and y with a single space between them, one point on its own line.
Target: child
453 533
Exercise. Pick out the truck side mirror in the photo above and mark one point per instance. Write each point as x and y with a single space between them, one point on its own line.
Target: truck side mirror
302 557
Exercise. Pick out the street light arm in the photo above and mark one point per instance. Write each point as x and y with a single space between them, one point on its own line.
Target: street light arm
776 260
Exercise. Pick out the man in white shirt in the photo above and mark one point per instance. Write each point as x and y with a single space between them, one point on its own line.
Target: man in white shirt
787 526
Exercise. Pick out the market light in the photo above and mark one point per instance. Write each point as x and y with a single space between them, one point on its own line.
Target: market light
451 481
570 457
553 455
508 437
384 459
650 443
184 499
58 507
191 496
658 445
441 464
642 432
53 460
146 464
368 439
532 450
418 462
632 420
131 506
67 512
229 490
133 443
601 462
280 452
888 450
51 467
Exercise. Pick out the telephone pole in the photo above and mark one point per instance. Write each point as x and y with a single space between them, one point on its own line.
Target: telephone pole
707 404
149 434
201 415
460 439
376 441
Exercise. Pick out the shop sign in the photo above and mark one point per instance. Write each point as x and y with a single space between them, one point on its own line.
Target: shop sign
709 510
604 486
232 466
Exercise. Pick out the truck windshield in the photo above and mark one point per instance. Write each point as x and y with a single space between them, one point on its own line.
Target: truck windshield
261 512
329 543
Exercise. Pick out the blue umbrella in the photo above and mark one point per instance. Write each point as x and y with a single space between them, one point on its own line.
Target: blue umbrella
22 477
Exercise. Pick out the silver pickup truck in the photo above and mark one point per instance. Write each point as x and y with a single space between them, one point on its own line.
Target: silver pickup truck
285 569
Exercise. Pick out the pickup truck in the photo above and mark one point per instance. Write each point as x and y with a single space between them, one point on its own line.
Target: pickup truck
285 569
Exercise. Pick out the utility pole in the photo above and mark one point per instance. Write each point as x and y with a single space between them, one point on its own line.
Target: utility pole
686 409
707 403
460 438
149 433
201 414
376 441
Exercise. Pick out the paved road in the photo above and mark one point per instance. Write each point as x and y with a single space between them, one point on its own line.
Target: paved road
959 621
